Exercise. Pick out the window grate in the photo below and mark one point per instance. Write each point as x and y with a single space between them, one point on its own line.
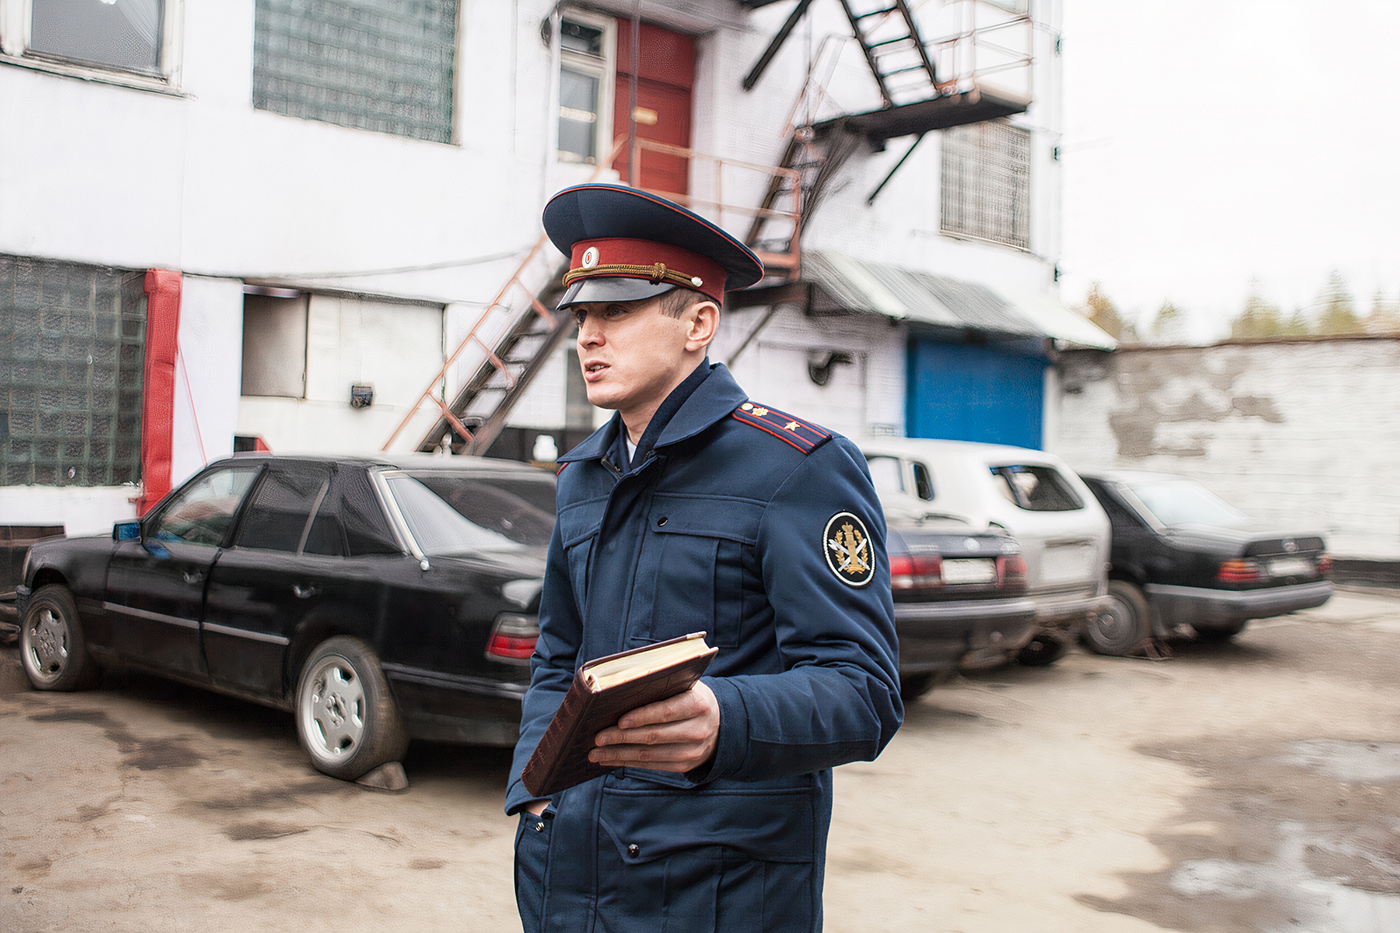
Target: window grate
72 354
985 190
379 65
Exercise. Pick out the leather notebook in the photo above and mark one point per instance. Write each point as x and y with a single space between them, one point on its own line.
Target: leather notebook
603 690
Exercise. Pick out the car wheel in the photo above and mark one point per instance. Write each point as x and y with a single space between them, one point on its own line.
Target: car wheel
1125 626
1041 650
346 717
1218 632
51 645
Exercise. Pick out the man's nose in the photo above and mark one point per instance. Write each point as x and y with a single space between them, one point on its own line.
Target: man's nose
588 333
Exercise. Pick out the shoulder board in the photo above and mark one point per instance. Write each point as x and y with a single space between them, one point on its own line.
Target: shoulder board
803 435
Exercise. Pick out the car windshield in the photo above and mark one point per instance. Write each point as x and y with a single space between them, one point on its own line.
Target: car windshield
454 513
1181 501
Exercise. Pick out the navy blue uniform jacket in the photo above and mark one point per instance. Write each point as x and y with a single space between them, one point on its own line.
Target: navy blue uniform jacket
721 527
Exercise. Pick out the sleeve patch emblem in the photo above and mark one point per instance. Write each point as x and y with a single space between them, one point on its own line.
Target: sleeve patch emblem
848 551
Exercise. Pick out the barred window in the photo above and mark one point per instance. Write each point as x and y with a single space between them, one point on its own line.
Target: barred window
986 187
379 65
72 352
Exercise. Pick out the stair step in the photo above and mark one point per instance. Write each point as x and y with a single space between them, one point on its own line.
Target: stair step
900 71
874 46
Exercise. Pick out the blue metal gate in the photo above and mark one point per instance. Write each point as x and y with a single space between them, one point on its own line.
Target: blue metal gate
974 393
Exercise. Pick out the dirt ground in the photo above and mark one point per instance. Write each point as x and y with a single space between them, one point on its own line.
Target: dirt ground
1246 786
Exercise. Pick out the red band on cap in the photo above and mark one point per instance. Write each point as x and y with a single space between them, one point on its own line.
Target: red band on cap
646 259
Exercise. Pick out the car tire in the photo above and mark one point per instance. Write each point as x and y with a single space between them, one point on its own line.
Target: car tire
1041 650
1125 627
51 644
1218 632
346 717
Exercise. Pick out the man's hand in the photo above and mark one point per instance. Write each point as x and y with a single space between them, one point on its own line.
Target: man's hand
678 734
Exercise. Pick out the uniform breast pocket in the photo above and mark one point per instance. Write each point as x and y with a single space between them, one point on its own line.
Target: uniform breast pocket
707 568
578 528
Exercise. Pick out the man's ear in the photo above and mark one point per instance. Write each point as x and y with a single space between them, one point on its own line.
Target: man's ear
703 319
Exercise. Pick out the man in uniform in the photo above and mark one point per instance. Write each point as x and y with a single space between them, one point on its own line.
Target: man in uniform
697 509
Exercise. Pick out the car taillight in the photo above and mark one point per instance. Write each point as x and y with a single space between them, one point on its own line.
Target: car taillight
915 571
513 638
1238 571
1324 564
1012 571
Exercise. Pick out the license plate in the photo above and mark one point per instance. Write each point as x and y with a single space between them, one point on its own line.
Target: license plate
971 570
1290 567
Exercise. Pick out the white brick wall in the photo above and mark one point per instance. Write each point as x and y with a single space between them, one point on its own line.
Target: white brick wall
1305 434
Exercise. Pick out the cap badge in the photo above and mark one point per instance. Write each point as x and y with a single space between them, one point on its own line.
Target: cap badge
590 257
847 547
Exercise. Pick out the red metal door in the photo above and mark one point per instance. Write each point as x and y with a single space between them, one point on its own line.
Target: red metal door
663 75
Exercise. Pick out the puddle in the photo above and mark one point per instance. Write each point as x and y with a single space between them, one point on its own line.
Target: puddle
1299 835
1315 904
1347 761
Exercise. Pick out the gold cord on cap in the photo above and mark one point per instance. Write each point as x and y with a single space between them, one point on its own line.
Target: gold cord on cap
656 273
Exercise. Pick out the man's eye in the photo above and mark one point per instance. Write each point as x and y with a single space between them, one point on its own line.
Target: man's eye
580 317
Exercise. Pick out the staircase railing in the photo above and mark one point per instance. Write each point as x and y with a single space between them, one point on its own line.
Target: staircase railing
721 208
499 322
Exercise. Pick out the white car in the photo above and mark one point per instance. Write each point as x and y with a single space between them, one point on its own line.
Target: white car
1063 531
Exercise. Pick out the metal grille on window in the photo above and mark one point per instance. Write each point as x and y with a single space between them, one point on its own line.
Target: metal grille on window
72 351
985 191
379 65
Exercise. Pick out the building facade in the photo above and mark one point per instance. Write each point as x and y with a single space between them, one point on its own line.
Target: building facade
316 226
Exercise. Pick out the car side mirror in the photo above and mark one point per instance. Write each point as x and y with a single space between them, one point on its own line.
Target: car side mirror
126 531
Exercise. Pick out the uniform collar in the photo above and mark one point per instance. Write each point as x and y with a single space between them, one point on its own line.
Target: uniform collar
714 399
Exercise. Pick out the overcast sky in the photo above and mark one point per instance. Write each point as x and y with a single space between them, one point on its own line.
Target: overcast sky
1211 142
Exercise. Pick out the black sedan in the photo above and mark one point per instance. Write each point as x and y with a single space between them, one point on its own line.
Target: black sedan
960 600
377 600
1183 556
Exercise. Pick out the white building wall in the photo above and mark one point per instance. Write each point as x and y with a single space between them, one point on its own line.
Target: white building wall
351 341
200 182
861 397
1303 435
207 373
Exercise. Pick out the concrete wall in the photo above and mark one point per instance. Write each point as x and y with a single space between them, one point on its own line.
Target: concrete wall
1303 433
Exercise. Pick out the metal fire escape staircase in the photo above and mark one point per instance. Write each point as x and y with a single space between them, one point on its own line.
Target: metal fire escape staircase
923 86
501 354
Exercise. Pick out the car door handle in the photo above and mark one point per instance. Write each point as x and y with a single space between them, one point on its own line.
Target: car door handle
193 576
303 592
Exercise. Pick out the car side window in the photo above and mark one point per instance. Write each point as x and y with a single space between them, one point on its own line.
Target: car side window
202 512
1037 488
359 517
885 473
281 509
923 482
1118 516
